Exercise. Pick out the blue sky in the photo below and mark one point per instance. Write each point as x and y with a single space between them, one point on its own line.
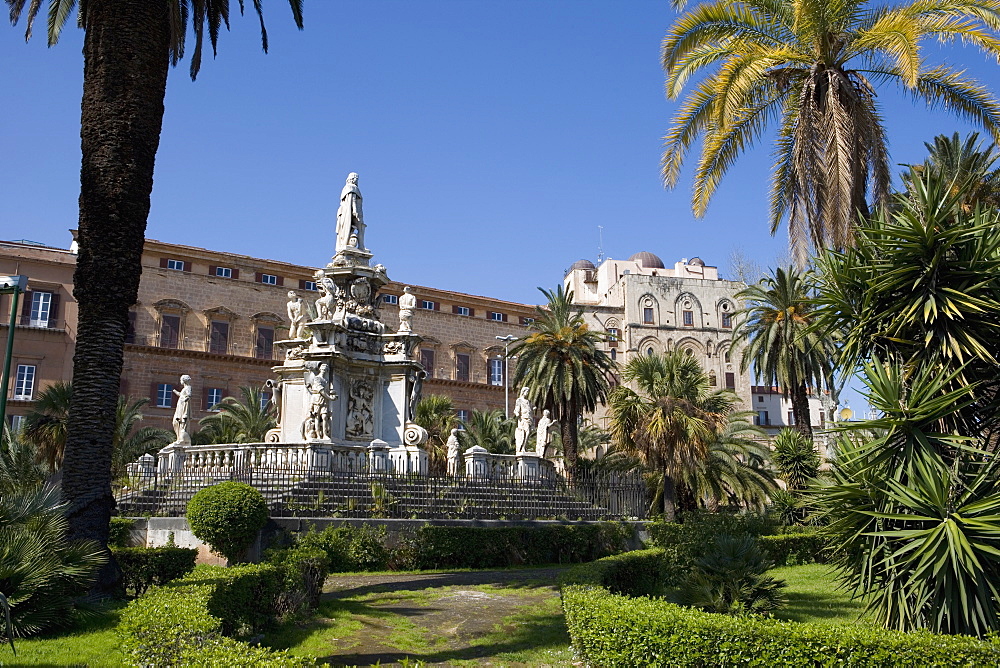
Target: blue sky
492 139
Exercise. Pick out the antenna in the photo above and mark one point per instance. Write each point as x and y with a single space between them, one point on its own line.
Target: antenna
600 244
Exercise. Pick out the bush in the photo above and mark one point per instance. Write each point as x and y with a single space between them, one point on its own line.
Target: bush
613 630
143 567
227 516
304 570
335 542
189 621
120 531
732 579
367 549
41 573
805 546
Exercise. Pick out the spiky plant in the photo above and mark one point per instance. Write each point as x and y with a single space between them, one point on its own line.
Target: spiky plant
243 420
795 457
490 430
436 414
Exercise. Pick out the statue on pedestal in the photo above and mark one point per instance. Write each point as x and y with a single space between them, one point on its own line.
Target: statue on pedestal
524 413
543 433
454 453
407 304
182 412
296 315
317 424
350 220
328 293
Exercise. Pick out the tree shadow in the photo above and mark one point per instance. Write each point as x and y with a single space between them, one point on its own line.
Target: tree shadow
807 607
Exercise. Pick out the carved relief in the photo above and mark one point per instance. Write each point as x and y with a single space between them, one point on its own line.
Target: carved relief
362 343
394 348
360 415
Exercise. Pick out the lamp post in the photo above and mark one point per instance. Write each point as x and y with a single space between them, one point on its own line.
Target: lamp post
14 285
506 375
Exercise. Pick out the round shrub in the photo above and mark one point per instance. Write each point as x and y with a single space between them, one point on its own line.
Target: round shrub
227 516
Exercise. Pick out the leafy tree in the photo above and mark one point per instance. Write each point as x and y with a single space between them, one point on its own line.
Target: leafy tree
128 48
490 430
783 344
562 366
673 418
243 420
45 424
810 69
968 167
436 414
796 458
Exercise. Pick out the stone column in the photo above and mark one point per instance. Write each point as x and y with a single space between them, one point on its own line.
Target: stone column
378 456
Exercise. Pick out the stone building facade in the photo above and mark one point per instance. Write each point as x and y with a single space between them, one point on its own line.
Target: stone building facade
645 308
216 316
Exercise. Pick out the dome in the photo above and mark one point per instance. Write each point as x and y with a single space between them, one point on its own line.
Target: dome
697 262
647 260
582 264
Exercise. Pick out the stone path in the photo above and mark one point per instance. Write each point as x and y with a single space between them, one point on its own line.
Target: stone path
482 618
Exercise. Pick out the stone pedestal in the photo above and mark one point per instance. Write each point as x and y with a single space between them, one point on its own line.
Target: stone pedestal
378 456
171 459
528 467
408 460
477 463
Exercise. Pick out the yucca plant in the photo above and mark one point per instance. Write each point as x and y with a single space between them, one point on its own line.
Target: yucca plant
795 458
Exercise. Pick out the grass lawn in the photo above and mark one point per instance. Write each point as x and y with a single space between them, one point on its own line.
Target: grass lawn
813 596
90 643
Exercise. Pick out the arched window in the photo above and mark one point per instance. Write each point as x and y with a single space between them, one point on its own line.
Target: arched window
649 351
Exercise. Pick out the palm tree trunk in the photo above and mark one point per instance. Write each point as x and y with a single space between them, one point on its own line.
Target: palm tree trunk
800 409
126 57
569 434
669 498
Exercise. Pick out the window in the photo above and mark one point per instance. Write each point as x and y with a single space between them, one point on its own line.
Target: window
24 385
130 328
390 299
265 343
649 351
762 419
462 367
727 357
496 372
496 317
730 381
613 337
265 400
727 320
224 272
218 337
688 318
176 265
268 279
760 399
213 397
461 310
427 361
712 379
791 419
170 329
164 395
307 285
527 321
614 354
429 305
647 315
16 422
463 415
41 305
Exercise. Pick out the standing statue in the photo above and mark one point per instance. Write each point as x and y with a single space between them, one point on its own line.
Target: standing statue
350 220
327 293
454 453
543 433
296 315
523 411
317 425
416 390
182 412
407 304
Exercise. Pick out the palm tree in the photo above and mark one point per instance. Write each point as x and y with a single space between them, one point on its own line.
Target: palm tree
45 425
782 344
562 367
968 166
671 421
243 420
129 443
489 430
128 48
811 69
436 414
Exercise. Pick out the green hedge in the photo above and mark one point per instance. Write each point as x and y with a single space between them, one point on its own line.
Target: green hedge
120 531
143 567
790 549
474 547
191 621
610 630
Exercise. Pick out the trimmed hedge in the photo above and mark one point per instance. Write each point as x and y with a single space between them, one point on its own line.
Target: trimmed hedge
614 630
227 516
475 547
143 567
791 549
190 621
